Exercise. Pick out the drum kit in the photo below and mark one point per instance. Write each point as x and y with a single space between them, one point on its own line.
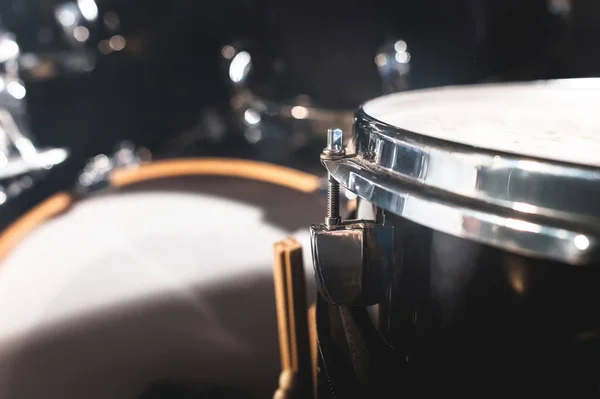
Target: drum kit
442 241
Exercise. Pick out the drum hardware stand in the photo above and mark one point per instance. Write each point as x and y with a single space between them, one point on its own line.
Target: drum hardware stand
351 258
305 120
393 66
77 23
96 173
19 157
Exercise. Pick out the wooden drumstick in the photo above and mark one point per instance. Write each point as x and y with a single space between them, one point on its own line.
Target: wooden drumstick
290 295
314 349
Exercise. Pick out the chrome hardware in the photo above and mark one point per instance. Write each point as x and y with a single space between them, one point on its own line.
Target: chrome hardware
333 203
75 18
302 119
347 199
257 114
335 144
96 173
9 54
126 155
526 206
562 8
393 65
13 187
351 258
333 150
77 22
18 153
352 261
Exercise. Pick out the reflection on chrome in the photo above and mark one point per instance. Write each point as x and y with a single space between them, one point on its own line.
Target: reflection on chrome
111 21
117 43
95 175
514 235
9 49
258 112
240 67
228 52
251 117
560 7
581 242
16 89
352 261
402 58
516 272
350 195
478 175
400 46
88 9
522 225
65 16
104 47
523 207
299 112
380 60
81 33
393 65
18 154
77 24
510 202
76 20
253 135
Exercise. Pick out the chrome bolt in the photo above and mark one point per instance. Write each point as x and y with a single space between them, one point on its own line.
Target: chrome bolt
335 148
333 203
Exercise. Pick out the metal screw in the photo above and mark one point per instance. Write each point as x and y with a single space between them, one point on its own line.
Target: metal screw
334 149
333 203
335 144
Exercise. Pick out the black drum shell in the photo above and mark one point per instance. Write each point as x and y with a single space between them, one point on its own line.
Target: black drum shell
465 319
473 320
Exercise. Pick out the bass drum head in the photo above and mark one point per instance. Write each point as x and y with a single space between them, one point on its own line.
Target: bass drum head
167 281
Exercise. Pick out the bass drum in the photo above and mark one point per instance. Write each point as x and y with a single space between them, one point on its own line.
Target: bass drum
165 280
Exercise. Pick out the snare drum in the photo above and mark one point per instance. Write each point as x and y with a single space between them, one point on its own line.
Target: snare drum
166 278
477 271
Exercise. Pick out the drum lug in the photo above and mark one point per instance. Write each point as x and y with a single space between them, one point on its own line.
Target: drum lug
351 258
352 261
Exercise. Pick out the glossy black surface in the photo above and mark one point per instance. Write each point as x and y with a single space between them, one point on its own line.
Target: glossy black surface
351 261
466 320
475 321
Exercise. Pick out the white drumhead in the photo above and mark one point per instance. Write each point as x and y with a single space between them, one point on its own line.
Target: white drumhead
171 281
554 120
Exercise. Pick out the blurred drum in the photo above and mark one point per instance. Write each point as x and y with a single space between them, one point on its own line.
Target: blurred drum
474 272
167 278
